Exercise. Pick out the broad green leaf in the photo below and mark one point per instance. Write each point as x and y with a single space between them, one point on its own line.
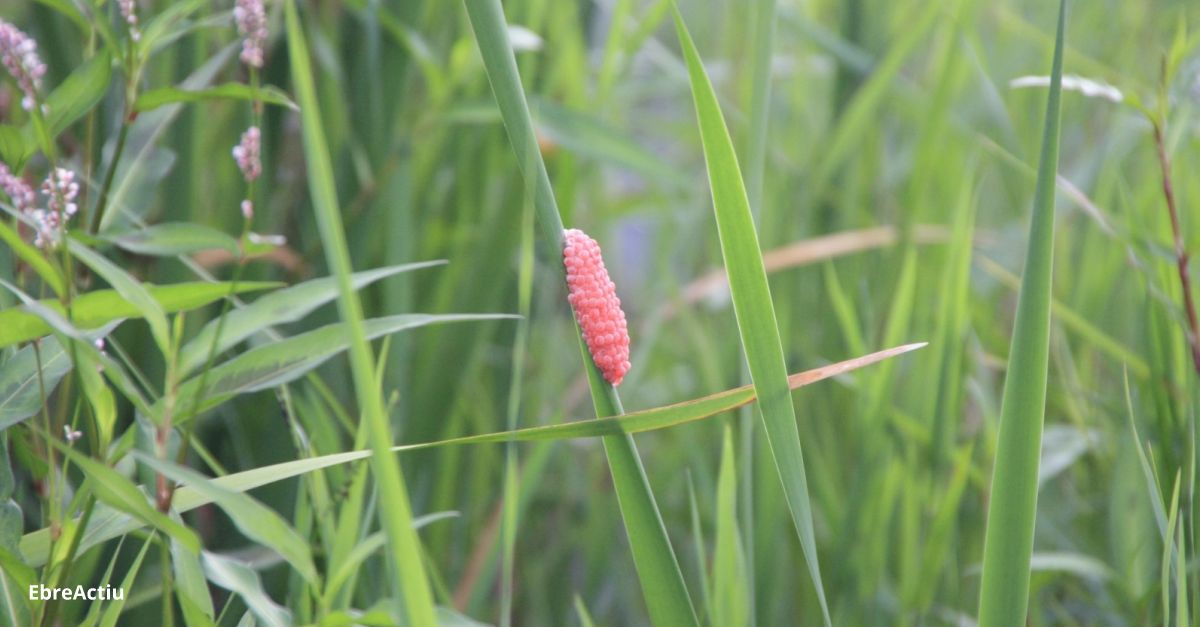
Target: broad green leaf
241 580
113 610
21 388
14 599
753 306
112 488
107 523
16 146
32 256
411 584
255 520
96 308
275 364
174 238
280 306
156 98
133 292
1012 507
81 90
98 394
191 586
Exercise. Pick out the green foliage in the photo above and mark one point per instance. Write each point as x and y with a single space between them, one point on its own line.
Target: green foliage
186 415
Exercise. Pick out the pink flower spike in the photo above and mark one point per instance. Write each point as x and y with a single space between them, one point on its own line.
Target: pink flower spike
129 13
248 154
18 54
19 193
251 20
247 209
593 298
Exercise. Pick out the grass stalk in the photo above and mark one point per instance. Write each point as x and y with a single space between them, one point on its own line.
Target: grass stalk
395 511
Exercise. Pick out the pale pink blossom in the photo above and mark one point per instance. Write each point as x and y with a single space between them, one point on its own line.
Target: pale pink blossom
129 14
19 193
60 189
18 54
248 154
248 209
593 298
251 20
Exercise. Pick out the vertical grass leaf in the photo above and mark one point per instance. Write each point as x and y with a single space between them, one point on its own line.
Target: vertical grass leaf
1008 540
752 305
665 593
395 511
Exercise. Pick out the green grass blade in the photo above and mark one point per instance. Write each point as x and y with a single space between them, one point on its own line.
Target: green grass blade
752 305
107 524
96 308
665 593
1008 543
731 590
405 553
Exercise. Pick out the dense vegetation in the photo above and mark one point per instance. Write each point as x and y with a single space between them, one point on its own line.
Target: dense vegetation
285 334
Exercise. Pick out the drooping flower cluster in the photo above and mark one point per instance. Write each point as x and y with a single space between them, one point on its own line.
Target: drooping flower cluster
251 20
60 189
593 298
129 14
19 193
18 54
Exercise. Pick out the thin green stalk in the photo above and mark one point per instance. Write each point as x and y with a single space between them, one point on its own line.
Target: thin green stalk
102 203
395 511
1012 510
662 583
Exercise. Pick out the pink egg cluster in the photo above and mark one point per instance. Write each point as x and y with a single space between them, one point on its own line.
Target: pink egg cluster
593 297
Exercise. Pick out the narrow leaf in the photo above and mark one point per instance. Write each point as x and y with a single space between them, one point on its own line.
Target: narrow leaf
753 306
1012 507
99 307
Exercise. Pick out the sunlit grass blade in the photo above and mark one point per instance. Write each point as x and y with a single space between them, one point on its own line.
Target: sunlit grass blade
395 512
752 305
1012 509
665 593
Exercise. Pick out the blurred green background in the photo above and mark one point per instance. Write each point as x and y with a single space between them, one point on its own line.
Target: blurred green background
891 135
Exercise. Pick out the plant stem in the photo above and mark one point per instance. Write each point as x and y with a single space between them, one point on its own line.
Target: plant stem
1181 255
102 204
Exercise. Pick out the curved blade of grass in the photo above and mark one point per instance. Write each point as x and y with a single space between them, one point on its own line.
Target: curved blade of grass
663 589
395 511
1008 543
133 292
752 305
255 520
107 523
98 307
272 365
278 307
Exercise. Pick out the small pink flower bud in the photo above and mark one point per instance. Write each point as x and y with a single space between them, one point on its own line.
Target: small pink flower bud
593 298
247 209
